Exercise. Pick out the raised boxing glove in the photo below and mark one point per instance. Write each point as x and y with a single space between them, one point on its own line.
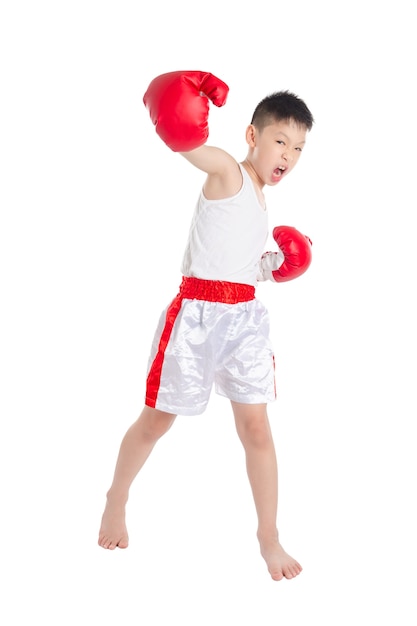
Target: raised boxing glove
292 259
178 104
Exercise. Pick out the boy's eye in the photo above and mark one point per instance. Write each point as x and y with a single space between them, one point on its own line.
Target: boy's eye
281 142
299 149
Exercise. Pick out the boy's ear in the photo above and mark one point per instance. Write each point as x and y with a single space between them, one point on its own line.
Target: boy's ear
250 135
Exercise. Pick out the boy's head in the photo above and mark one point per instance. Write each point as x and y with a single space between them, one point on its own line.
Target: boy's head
282 106
276 136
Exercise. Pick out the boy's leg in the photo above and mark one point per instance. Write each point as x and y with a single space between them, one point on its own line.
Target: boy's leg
254 431
136 446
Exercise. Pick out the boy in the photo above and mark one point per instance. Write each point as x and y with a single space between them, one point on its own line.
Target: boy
215 331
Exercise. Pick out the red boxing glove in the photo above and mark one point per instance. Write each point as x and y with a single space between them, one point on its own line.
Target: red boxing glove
296 249
178 103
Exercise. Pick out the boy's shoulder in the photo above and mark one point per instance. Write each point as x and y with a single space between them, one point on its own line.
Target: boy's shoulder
226 179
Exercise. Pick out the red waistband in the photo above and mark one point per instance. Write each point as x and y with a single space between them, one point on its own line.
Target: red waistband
216 290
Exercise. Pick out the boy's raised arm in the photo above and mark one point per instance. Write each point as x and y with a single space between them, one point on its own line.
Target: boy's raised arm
179 104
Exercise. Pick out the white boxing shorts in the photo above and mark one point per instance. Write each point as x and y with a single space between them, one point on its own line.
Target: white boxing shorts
212 333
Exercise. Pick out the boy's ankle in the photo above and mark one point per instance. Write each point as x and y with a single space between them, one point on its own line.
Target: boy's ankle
267 535
117 499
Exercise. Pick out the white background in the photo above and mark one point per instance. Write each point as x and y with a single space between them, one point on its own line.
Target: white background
95 212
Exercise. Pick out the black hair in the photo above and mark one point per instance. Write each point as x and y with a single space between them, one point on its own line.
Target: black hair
282 106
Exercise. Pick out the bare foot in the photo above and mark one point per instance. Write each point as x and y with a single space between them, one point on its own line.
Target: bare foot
113 531
280 564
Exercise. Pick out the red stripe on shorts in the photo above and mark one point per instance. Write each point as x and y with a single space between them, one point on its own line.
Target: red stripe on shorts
154 375
192 289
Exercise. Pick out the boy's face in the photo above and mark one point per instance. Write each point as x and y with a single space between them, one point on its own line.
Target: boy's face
275 150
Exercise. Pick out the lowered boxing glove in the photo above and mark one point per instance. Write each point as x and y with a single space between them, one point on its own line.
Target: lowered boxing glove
292 259
178 104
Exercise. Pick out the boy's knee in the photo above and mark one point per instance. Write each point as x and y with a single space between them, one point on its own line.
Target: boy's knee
257 434
253 428
156 423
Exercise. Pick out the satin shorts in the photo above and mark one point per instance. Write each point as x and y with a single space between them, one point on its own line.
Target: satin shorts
201 344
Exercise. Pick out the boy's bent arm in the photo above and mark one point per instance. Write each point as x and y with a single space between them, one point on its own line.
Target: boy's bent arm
224 178
178 103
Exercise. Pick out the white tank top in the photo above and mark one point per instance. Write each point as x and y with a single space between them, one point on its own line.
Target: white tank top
227 237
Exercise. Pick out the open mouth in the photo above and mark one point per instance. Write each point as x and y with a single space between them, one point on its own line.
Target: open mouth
279 172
